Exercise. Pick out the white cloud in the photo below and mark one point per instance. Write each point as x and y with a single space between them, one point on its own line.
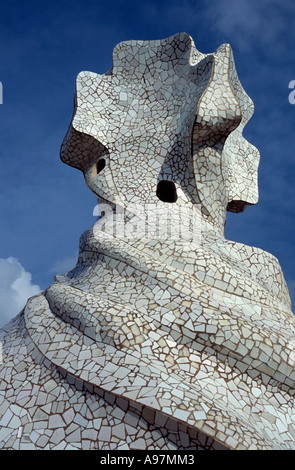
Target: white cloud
15 288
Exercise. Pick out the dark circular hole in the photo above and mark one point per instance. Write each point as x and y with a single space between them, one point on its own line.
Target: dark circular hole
236 206
100 165
166 191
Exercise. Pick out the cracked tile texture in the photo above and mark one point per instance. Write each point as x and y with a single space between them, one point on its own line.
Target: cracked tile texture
154 342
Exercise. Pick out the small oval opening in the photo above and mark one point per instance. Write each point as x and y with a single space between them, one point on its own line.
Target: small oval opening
166 191
100 165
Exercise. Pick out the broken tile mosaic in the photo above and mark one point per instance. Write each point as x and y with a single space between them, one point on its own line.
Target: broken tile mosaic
149 342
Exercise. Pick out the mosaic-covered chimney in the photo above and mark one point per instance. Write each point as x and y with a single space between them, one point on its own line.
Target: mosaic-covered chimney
157 338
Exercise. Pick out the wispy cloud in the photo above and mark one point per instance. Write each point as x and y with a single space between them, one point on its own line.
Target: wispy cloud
15 288
251 22
64 264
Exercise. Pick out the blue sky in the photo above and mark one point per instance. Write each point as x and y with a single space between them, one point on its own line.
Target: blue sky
45 205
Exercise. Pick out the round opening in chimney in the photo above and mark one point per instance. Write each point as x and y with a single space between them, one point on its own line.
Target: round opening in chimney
166 191
100 165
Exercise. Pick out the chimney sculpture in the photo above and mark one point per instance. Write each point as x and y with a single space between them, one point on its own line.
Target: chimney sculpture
164 335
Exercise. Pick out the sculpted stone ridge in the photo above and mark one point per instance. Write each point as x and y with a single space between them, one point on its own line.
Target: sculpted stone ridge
157 342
